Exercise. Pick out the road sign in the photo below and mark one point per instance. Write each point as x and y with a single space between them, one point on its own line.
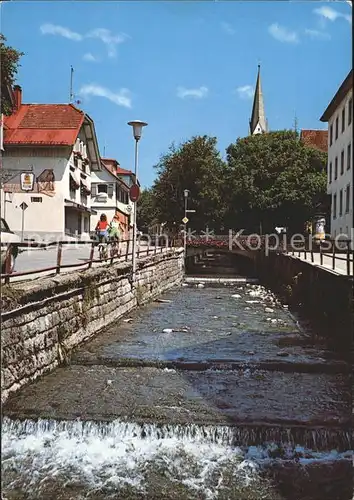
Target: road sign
185 220
134 193
23 206
190 211
27 181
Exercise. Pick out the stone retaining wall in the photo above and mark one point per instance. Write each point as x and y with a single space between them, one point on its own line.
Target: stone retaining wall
48 318
324 297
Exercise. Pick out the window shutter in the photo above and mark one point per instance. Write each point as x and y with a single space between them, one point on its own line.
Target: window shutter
93 190
110 190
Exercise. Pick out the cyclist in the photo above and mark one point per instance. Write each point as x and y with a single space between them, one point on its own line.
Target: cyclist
102 228
115 232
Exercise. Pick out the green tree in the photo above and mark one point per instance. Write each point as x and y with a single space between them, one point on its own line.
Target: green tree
9 58
195 165
273 180
147 213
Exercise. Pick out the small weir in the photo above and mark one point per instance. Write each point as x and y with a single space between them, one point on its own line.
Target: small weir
213 392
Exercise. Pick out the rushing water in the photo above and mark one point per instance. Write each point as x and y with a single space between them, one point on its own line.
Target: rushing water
215 393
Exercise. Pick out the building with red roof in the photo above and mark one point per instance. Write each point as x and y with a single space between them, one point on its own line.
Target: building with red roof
317 139
110 195
55 145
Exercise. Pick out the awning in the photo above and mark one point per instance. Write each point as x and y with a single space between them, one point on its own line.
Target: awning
79 208
85 185
75 178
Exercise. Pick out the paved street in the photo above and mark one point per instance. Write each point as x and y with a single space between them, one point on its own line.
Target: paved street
33 259
340 265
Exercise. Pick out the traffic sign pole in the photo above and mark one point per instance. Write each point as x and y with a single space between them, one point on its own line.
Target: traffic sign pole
23 207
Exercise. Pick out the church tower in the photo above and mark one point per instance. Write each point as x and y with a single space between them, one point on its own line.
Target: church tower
258 122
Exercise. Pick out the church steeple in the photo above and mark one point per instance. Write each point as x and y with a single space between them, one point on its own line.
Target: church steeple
258 122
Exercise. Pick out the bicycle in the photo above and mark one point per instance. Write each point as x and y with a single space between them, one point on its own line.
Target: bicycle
102 247
114 248
103 251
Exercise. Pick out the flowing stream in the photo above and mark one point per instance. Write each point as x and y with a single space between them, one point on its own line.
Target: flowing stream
216 392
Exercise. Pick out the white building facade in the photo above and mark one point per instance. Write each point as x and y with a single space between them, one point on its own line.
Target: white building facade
109 196
339 115
57 146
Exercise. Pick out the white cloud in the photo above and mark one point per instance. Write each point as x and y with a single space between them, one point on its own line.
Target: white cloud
52 29
330 14
319 35
199 93
245 92
228 28
121 98
89 57
283 34
109 39
106 36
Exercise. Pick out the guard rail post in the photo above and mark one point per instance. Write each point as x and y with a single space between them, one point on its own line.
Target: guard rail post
8 264
59 256
92 253
127 250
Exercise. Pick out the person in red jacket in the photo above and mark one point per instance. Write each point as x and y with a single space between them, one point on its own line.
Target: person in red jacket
102 228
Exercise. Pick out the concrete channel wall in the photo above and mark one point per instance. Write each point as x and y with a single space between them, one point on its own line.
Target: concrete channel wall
324 297
43 321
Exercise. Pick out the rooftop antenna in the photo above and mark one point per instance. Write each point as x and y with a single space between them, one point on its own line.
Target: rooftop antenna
104 149
71 84
295 124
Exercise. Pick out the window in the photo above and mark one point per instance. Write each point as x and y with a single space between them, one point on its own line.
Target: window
330 173
347 199
342 163
110 190
343 119
337 126
335 168
102 188
76 161
36 199
349 156
350 111
334 206
331 135
341 203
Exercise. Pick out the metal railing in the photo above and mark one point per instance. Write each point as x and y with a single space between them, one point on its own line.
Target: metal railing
336 250
124 256
314 250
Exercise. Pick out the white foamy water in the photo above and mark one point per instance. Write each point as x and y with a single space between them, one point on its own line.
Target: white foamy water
117 454
114 455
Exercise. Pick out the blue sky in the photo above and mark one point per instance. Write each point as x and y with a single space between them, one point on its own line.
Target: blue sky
187 68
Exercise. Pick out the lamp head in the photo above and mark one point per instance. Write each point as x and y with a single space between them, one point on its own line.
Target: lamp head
186 193
137 128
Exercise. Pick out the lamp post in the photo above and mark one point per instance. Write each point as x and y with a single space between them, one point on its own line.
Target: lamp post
186 194
137 131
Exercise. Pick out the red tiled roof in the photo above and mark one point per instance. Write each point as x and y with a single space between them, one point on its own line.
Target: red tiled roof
111 166
43 124
317 139
123 171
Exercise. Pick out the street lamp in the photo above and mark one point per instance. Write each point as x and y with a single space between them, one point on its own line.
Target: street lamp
137 131
186 194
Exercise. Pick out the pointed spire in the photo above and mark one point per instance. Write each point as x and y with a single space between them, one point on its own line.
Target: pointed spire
258 123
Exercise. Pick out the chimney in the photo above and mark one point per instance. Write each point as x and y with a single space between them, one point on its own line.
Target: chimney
18 97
